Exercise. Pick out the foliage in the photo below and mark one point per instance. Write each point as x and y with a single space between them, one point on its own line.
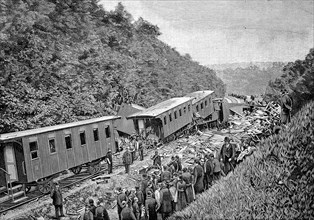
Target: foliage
276 182
62 61
298 79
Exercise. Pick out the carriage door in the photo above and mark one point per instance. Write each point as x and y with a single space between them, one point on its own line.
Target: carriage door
10 162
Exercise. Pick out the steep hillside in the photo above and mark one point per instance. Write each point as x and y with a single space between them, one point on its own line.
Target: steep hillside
248 78
298 79
276 182
62 61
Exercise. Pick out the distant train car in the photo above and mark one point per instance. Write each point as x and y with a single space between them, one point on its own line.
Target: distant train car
164 119
35 156
202 103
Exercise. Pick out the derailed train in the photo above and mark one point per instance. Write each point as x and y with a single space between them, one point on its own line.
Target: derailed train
35 157
177 116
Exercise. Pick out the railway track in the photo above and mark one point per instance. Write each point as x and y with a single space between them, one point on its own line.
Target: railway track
35 195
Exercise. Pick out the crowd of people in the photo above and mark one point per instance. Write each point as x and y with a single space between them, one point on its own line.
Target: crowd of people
159 194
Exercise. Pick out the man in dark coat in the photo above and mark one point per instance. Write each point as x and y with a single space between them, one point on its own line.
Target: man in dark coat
198 177
208 170
109 161
151 207
187 177
177 158
120 198
140 196
141 149
217 171
57 200
126 213
227 155
156 159
144 184
92 206
127 160
174 163
165 202
165 175
101 212
286 107
136 209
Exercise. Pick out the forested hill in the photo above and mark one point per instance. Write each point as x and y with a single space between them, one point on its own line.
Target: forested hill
248 78
65 60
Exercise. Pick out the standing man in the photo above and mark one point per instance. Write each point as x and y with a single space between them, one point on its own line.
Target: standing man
208 170
151 207
156 159
216 168
187 177
57 200
227 155
126 213
198 177
120 199
109 161
140 197
127 160
179 163
165 202
141 149
101 212
286 107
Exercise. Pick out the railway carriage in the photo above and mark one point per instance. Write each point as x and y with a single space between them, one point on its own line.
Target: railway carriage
36 156
202 103
164 119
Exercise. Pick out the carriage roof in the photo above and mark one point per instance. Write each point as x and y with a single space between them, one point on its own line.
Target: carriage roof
160 108
199 95
19 134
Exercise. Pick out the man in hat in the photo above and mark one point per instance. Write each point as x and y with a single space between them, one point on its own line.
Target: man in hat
57 200
144 184
136 209
140 196
126 213
187 177
217 171
286 107
165 175
177 158
198 177
127 160
165 202
151 207
227 155
173 163
120 198
208 170
156 160
92 206
101 212
109 161
140 148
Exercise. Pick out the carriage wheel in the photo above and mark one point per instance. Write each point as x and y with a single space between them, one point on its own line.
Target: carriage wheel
76 170
45 187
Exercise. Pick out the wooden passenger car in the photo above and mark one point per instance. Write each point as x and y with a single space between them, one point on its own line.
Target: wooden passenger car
165 118
37 155
203 103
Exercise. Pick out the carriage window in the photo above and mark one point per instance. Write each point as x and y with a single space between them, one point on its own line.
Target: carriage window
197 109
184 110
170 119
180 112
82 137
68 141
107 130
33 147
189 108
96 136
205 102
202 105
52 146
165 120
175 114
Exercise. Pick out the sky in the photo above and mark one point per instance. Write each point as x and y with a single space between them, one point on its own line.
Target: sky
219 31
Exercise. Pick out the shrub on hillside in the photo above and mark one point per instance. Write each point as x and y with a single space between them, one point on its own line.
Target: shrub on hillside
276 182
